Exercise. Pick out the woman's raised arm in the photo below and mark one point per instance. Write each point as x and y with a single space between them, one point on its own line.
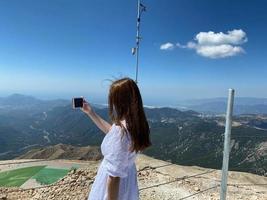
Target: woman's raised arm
100 122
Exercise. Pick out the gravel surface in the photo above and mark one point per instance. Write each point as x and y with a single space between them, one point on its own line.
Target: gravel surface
172 182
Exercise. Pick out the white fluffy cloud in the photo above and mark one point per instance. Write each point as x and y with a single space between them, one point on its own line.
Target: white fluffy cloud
216 45
218 51
234 37
167 46
219 45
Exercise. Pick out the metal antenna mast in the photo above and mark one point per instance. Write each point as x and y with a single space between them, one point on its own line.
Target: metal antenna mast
135 51
227 141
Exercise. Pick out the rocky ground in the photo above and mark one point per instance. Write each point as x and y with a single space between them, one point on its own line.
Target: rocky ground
157 180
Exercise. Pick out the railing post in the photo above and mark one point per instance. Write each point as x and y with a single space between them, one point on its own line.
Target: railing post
227 140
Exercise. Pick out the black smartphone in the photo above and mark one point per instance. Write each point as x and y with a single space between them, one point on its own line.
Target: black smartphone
77 102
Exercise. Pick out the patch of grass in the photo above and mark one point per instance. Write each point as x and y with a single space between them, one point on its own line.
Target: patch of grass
15 178
48 176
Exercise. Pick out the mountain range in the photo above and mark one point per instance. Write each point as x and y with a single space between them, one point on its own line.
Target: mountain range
182 137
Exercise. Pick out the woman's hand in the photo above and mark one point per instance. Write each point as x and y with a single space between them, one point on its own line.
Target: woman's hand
87 108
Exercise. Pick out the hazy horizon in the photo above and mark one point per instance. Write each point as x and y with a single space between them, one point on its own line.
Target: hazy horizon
146 102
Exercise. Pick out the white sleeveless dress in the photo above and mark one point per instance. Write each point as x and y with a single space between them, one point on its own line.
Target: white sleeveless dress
118 161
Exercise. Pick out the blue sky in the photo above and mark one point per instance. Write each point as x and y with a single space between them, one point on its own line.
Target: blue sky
64 48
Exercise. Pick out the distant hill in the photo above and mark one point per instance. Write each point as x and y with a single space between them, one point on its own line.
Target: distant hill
242 105
61 151
238 100
28 103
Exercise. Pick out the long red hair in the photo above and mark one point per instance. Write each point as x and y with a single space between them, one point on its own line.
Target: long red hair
125 102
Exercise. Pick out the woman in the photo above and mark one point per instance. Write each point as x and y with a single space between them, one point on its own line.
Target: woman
116 178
